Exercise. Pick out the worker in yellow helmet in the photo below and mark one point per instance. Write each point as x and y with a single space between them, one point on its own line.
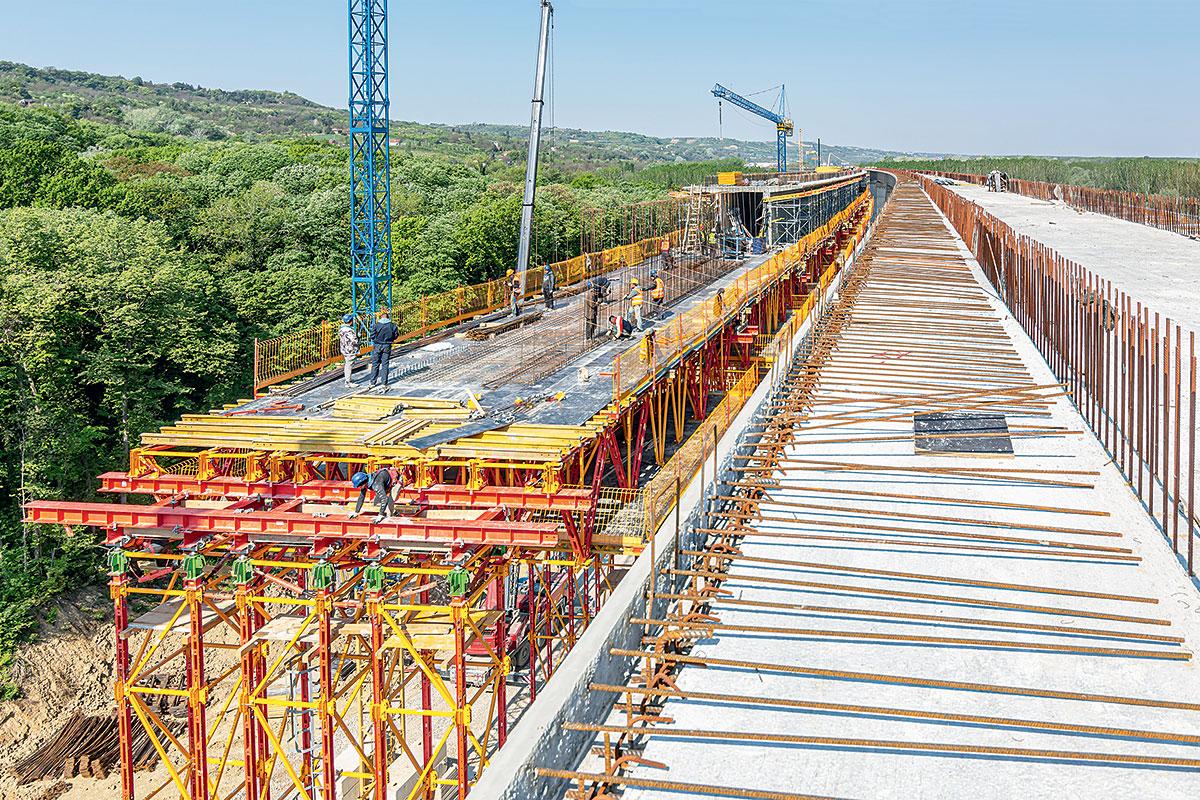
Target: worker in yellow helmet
635 299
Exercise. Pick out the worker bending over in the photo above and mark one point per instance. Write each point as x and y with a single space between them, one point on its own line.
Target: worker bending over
348 345
383 334
635 299
379 483
619 327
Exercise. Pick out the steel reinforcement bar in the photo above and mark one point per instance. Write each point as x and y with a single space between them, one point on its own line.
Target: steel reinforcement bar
1130 370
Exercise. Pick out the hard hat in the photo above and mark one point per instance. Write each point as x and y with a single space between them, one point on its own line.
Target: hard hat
634 281
653 273
359 480
509 274
347 318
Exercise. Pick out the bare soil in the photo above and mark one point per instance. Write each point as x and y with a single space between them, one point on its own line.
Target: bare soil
68 669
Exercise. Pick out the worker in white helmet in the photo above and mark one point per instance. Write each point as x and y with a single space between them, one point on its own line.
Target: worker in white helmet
635 298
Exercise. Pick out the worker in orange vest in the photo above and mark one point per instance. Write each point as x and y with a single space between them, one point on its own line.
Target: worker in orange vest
668 261
635 299
659 293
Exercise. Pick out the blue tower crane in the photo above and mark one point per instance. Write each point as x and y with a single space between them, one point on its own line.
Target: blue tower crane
783 126
370 171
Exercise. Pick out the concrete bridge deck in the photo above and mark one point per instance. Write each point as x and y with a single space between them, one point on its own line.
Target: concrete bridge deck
981 609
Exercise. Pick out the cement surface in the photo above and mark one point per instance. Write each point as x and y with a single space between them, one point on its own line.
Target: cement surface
993 654
1157 268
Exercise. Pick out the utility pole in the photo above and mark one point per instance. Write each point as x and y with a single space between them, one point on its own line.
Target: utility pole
535 139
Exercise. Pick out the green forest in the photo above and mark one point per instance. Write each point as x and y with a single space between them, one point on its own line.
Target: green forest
1177 177
137 267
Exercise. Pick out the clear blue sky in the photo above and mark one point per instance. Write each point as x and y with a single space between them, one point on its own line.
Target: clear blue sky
1094 77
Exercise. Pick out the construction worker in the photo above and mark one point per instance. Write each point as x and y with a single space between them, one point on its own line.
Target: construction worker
383 333
658 294
619 327
712 242
595 297
548 286
348 345
635 299
591 309
514 292
379 483
668 260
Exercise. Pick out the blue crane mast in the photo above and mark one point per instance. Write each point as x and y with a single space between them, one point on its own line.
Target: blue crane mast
783 126
370 171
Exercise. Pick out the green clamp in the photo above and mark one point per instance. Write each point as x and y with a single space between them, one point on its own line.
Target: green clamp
458 579
193 566
374 578
322 575
118 562
243 571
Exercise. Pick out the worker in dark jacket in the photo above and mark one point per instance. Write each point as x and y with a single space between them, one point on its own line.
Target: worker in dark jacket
594 297
383 333
548 287
379 483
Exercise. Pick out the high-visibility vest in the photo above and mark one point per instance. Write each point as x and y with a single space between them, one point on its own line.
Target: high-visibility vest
637 298
660 291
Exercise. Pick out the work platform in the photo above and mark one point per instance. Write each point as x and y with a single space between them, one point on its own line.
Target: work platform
926 579
771 211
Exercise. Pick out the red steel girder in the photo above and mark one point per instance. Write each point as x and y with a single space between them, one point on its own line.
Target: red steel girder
446 495
269 526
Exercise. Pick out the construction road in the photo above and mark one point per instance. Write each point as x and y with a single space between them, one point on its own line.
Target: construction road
970 604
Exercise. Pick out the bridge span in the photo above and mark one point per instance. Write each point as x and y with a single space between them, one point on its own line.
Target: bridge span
921 576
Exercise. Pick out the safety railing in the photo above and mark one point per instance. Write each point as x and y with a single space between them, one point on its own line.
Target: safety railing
1129 371
641 361
1177 214
291 355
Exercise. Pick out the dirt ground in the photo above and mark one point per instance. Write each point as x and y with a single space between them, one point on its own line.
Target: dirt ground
68 668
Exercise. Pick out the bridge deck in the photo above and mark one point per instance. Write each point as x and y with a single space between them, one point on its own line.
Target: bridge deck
1155 266
902 621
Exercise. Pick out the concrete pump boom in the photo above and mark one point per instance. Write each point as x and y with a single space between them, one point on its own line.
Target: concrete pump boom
535 138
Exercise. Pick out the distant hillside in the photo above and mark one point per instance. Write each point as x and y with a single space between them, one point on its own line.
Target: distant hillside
182 109
177 108
620 146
